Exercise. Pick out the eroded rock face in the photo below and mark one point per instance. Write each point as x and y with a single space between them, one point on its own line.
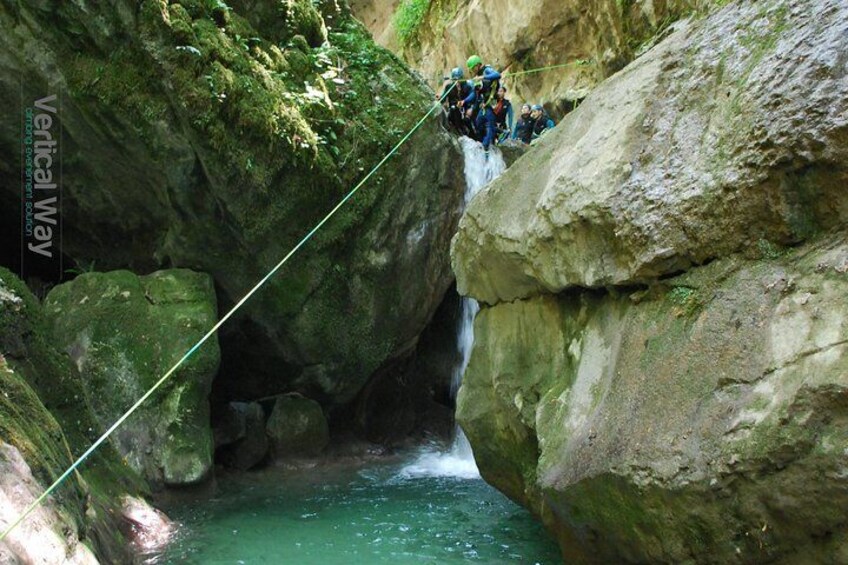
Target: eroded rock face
730 135
705 420
529 35
647 415
194 139
124 332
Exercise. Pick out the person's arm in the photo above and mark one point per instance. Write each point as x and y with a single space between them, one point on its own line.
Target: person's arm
491 74
470 98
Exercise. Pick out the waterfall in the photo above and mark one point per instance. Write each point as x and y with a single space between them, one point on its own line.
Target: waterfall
480 170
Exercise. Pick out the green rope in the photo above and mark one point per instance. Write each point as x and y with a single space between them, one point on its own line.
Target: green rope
238 305
578 63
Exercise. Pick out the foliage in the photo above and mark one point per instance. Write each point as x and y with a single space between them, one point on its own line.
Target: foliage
409 16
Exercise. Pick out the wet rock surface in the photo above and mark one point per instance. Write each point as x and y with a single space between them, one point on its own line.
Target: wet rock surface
297 428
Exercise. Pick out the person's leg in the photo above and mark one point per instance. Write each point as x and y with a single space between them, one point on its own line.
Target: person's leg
455 119
489 118
480 125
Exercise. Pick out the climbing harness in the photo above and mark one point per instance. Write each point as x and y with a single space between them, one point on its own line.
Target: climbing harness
75 465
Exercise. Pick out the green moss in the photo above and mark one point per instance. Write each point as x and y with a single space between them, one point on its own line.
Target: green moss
44 413
125 332
416 19
768 250
687 301
408 17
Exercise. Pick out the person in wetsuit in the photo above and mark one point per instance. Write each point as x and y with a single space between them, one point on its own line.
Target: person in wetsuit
484 97
542 122
503 116
457 89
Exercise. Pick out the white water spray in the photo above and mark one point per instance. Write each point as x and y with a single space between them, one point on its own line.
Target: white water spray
480 170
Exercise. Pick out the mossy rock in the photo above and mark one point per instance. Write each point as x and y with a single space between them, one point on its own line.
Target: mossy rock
125 332
297 428
44 414
215 143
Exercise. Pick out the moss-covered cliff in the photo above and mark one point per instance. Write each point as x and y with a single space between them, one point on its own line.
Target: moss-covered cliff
211 136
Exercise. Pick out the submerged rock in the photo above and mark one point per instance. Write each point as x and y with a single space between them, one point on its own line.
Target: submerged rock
297 427
691 406
730 135
124 332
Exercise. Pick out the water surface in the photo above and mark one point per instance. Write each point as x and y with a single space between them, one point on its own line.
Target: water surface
388 512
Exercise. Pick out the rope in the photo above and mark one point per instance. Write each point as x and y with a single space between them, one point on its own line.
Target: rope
239 304
578 63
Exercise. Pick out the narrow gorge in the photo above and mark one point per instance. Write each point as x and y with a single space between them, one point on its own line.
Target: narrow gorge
624 342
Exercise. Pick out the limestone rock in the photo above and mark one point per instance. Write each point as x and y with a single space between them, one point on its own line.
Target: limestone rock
124 332
528 34
297 427
47 537
705 420
662 374
729 135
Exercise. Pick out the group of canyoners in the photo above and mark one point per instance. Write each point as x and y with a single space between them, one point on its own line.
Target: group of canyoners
480 109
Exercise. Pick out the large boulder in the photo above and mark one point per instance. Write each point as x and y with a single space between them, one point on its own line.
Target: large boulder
730 135
194 139
662 371
124 332
297 427
704 420
45 423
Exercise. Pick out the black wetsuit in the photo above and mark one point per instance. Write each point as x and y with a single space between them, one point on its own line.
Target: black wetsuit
456 115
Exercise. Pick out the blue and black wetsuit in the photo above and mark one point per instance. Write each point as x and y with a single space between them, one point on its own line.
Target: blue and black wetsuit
524 129
486 98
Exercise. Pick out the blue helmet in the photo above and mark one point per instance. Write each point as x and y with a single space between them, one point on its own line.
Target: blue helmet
537 108
456 73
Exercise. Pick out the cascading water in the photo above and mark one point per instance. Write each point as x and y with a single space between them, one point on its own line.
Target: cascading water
480 170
